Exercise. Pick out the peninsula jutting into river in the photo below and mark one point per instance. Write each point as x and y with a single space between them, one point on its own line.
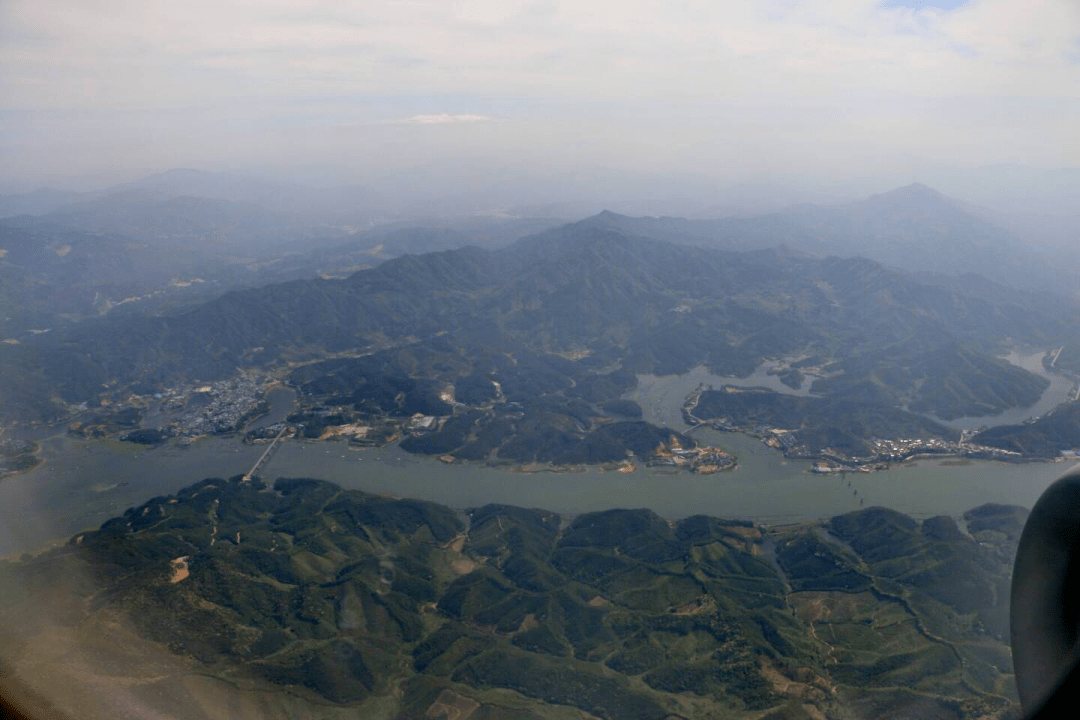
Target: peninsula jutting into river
67 493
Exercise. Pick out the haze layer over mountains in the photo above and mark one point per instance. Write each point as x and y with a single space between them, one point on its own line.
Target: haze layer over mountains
186 235
900 302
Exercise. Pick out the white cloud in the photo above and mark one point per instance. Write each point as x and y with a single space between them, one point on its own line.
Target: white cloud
442 119
699 81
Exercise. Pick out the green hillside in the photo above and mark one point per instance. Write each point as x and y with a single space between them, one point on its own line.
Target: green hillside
305 599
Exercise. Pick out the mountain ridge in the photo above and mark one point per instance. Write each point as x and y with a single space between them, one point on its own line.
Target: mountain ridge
321 598
652 306
901 228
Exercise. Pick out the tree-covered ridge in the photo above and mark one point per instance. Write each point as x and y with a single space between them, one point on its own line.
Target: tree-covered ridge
649 305
304 597
1046 437
815 423
512 408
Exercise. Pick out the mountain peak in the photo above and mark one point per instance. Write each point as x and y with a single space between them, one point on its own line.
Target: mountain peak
607 216
915 190
910 196
608 220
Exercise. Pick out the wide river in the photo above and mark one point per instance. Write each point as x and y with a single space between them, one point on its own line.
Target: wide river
83 483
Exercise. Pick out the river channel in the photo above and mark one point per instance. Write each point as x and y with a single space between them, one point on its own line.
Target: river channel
83 483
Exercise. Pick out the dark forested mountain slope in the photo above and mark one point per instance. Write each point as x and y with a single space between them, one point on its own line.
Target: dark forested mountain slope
1046 437
306 598
647 305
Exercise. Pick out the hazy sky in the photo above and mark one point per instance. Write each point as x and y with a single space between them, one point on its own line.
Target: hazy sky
97 91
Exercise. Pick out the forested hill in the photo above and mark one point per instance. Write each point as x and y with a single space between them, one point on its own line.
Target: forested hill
306 600
649 305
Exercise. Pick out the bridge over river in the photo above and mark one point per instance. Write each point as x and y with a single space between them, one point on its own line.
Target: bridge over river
266 454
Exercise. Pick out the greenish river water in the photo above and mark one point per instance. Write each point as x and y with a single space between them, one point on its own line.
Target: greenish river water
83 483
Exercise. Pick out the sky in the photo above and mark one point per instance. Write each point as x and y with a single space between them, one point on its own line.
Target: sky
103 91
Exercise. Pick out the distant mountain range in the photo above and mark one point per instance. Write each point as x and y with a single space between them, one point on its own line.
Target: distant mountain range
1011 188
637 295
194 235
158 244
913 228
585 290
273 200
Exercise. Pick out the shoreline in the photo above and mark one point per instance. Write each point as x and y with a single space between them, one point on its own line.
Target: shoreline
765 523
834 465
837 467
41 462
766 489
